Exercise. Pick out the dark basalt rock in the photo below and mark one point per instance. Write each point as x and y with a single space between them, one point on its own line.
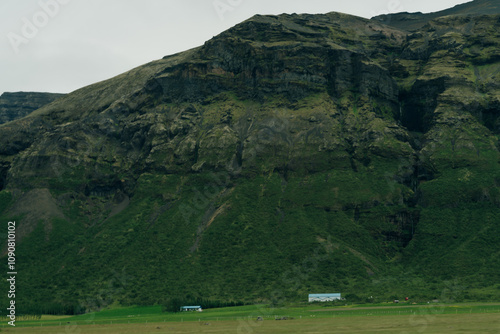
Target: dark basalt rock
249 151
20 104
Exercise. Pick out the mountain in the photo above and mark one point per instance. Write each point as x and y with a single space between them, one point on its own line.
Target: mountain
414 21
289 154
19 104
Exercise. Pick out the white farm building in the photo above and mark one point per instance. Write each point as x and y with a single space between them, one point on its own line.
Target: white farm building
323 297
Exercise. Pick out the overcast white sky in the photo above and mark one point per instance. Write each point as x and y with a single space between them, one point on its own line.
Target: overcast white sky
63 45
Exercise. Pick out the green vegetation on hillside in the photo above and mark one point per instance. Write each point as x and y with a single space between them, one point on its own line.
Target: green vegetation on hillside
291 154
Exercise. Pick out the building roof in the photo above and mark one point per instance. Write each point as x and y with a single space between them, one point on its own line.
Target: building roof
312 295
190 306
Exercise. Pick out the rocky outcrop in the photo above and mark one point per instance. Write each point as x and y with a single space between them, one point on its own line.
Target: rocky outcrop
277 133
20 104
414 21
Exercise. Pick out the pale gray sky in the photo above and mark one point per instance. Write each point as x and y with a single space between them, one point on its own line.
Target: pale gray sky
63 45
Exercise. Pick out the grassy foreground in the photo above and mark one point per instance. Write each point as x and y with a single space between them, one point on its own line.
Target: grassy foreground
445 323
463 318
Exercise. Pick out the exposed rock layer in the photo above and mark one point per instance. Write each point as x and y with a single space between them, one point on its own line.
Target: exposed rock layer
287 139
20 104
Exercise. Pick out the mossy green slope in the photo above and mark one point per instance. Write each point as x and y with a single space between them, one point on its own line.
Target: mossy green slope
291 154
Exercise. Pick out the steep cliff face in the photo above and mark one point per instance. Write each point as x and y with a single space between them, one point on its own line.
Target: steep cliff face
20 104
172 117
414 21
285 141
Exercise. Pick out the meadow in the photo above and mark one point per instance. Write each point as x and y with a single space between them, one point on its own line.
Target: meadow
388 318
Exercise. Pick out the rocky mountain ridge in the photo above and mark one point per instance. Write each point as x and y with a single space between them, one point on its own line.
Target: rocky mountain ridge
413 21
19 104
370 152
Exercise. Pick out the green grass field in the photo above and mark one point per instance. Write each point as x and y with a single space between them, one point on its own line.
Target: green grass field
389 318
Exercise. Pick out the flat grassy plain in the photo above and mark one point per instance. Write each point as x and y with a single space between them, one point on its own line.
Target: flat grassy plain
437 318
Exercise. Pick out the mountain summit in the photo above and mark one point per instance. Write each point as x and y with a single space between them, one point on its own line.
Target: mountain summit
414 21
289 154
